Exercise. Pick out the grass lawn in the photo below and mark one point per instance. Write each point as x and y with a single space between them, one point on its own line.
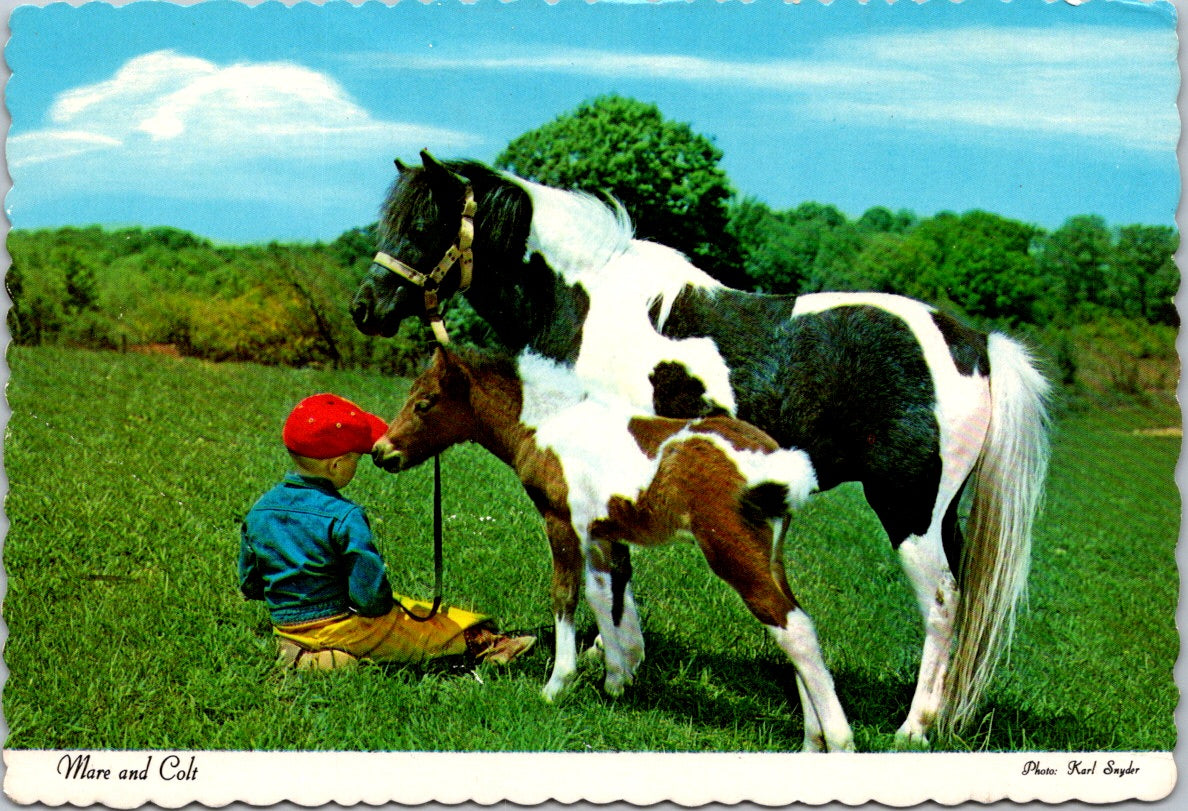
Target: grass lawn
128 476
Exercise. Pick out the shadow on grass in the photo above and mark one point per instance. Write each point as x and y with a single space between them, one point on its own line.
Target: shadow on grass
738 693
741 693
1005 727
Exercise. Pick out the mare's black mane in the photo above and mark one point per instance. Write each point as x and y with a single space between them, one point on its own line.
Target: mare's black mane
504 208
519 295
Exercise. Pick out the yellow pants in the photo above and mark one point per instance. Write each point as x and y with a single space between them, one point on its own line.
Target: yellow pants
394 637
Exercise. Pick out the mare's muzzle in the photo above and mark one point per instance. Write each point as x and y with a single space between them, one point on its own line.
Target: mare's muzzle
382 301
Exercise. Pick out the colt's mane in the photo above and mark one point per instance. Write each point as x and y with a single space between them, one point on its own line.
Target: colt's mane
493 372
484 364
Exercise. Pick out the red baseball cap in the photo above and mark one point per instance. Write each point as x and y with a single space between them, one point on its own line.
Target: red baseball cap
325 426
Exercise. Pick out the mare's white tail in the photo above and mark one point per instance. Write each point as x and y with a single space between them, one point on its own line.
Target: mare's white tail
1007 484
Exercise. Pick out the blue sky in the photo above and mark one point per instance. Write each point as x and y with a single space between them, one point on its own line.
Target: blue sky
252 123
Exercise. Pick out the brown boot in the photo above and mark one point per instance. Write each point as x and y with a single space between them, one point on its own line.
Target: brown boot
486 645
507 648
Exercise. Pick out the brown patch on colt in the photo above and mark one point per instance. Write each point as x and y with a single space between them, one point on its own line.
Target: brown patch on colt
741 435
697 488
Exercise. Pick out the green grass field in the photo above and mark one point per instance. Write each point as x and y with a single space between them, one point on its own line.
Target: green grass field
128 476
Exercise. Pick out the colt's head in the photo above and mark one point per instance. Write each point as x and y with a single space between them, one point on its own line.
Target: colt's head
436 415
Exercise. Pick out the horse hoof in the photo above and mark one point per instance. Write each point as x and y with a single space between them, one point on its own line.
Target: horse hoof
911 740
553 688
594 653
616 684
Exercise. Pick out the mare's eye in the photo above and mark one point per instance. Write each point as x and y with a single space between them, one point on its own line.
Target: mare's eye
422 226
421 406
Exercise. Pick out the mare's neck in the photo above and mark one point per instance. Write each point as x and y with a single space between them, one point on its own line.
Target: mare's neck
529 240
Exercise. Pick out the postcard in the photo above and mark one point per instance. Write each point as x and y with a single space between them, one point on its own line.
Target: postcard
591 402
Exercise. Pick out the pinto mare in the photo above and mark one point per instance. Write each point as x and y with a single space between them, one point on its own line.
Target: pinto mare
602 475
875 388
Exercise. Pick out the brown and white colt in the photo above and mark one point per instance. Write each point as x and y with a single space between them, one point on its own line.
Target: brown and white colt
601 475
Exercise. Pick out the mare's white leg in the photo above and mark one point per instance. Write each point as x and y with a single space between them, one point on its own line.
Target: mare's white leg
923 559
963 415
631 632
565 659
825 725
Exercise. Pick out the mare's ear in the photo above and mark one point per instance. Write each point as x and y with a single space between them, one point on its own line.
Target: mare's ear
438 174
401 166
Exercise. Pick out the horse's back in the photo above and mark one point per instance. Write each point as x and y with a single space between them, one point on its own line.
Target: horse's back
865 382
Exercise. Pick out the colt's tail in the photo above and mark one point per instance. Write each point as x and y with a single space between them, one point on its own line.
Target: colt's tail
1007 485
785 479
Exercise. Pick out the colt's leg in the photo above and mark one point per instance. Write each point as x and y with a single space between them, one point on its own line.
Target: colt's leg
746 558
623 646
567 567
825 726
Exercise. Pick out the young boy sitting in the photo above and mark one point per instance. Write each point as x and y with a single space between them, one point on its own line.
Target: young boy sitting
307 552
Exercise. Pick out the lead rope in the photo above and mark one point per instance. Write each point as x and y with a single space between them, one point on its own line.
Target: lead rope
460 253
437 535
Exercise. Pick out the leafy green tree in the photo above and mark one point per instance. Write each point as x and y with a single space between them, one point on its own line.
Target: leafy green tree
1075 258
881 220
665 175
978 263
767 244
810 248
79 279
888 263
1144 278
354 248
826 245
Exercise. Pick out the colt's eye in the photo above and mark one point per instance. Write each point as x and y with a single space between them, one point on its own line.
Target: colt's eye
421 406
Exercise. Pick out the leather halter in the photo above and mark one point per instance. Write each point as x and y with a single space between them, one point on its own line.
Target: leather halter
460 253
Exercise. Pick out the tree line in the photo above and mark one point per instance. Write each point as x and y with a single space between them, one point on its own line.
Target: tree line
1097 299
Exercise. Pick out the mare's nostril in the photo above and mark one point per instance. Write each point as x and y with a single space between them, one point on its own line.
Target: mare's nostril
359 310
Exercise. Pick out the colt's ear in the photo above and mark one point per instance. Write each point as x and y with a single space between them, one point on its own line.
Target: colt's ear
401 166
441 363
437 172
451 372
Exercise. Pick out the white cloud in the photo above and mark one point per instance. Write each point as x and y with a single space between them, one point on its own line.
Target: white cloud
55 145
1115 84
774 75
1111 85
167 120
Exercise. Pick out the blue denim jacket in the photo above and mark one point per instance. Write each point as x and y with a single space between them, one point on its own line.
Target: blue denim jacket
307 552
